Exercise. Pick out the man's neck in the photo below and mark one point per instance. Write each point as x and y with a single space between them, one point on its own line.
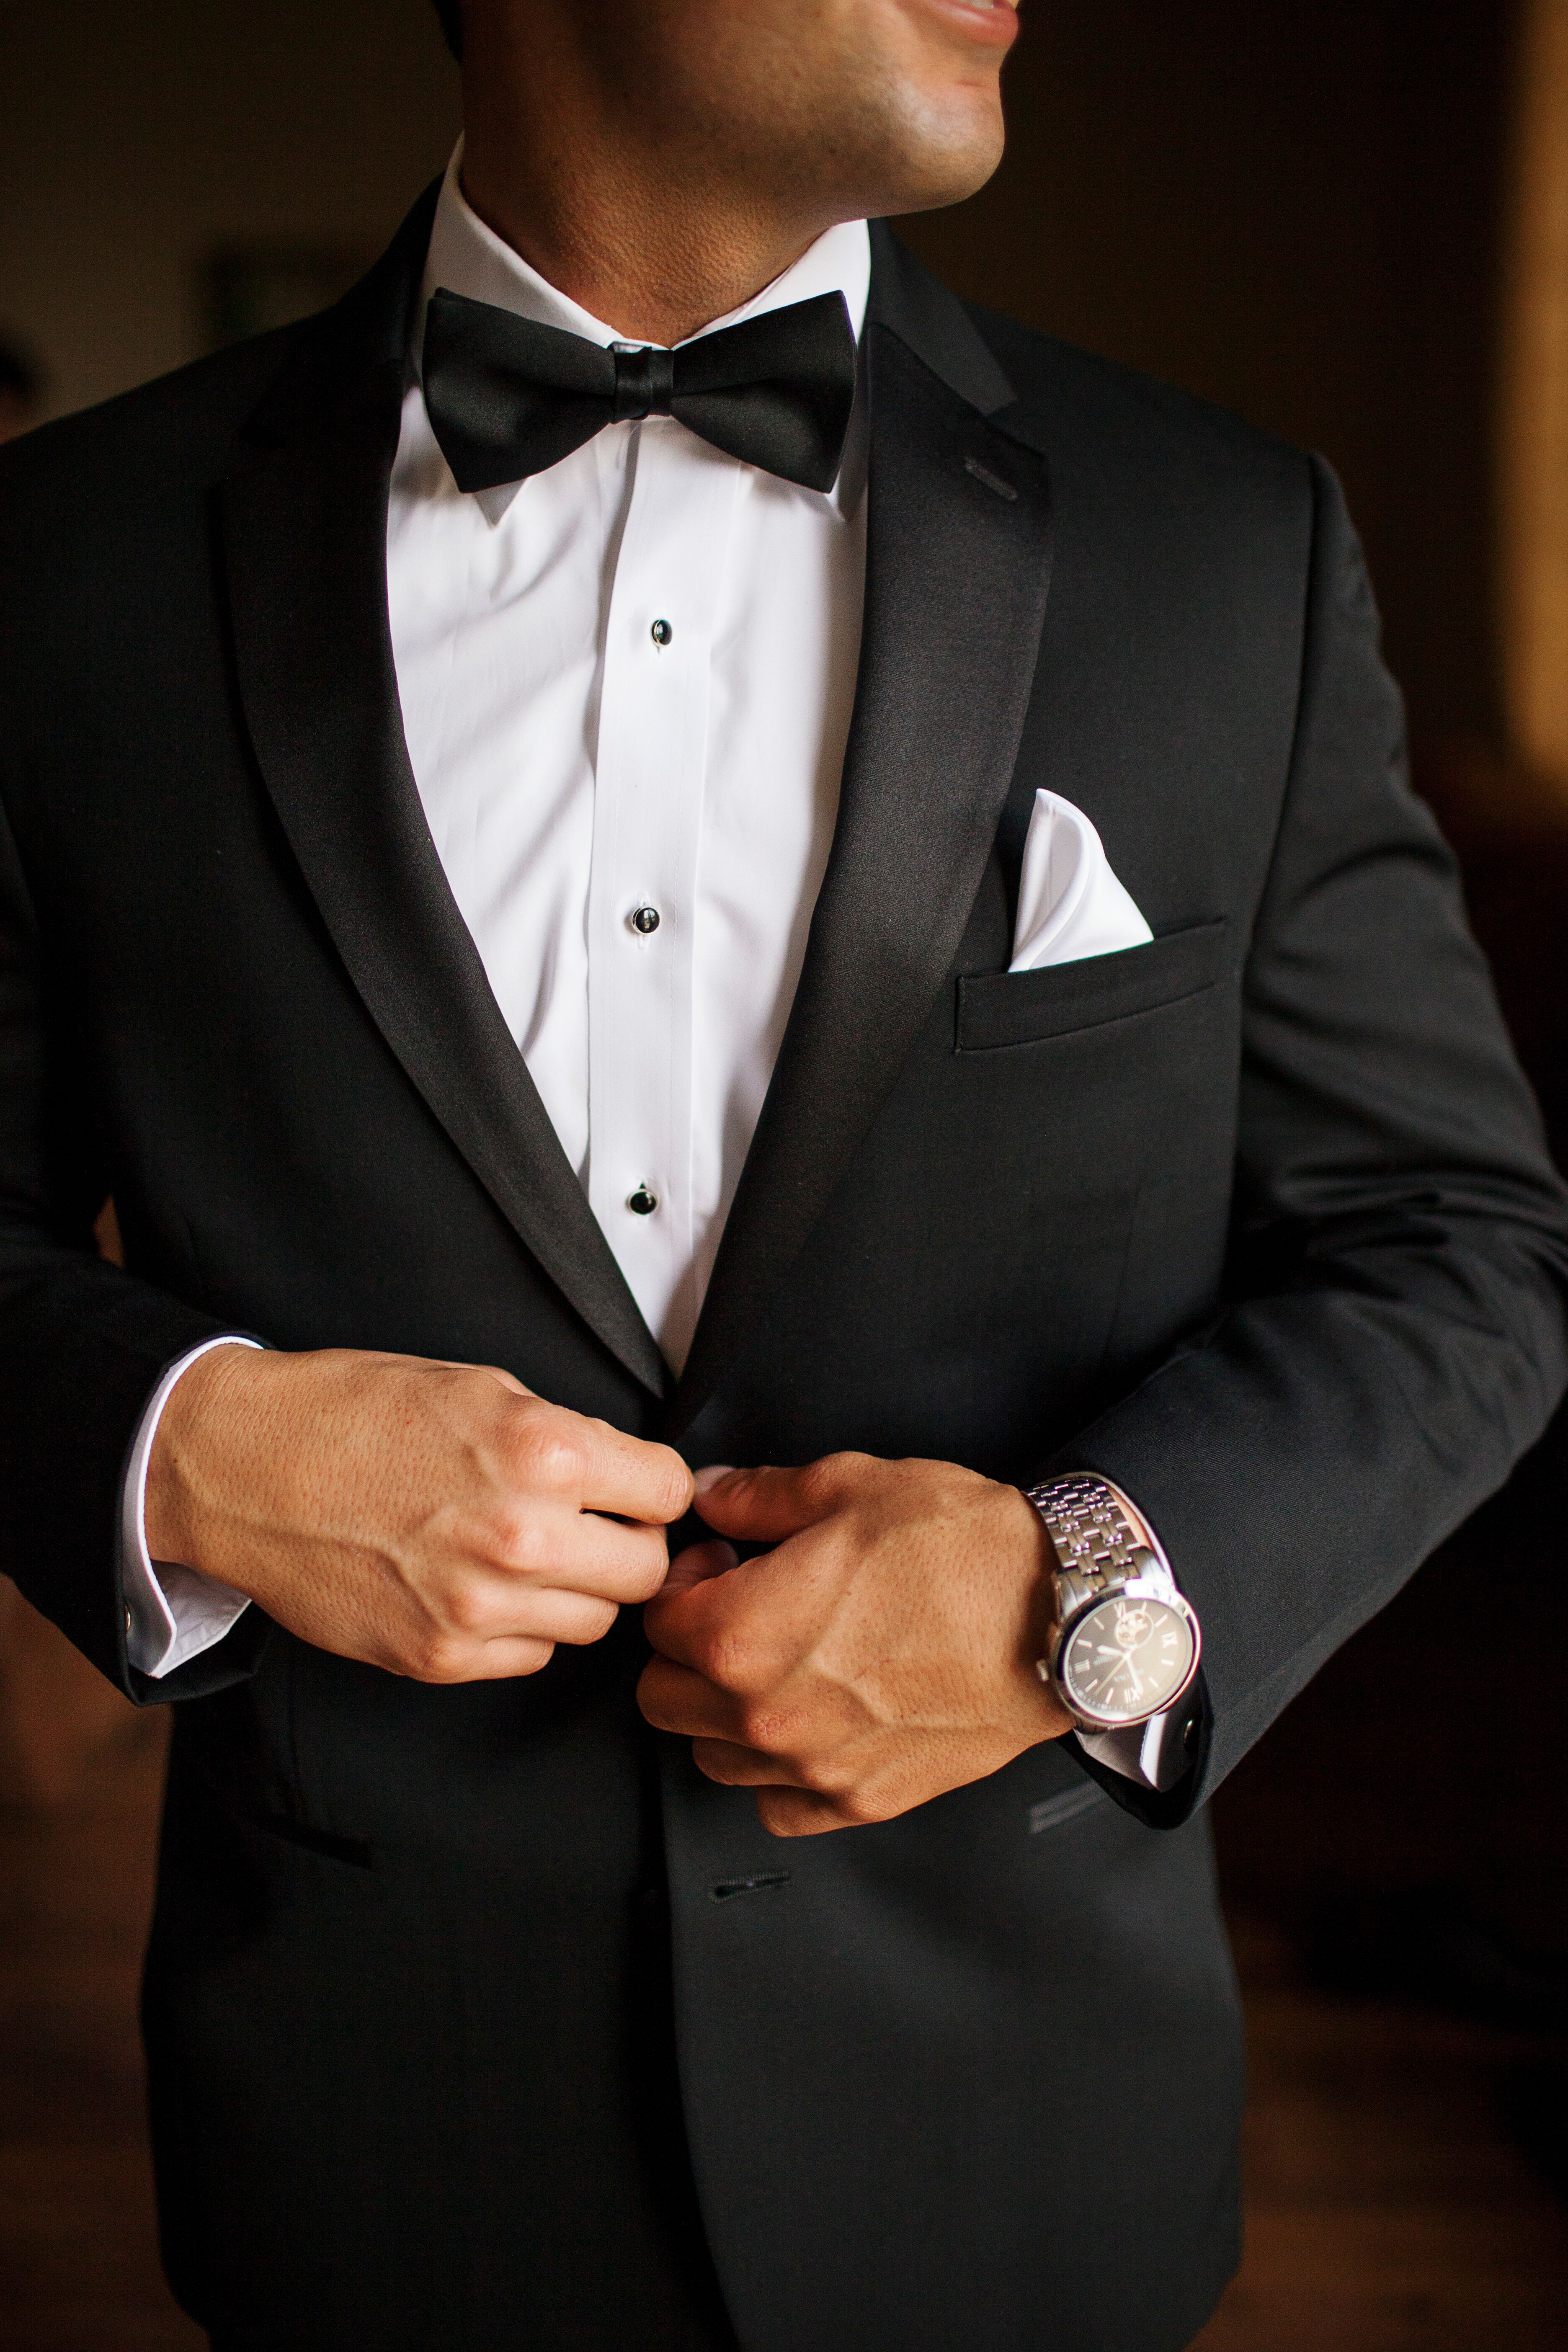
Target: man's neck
652 239
656 270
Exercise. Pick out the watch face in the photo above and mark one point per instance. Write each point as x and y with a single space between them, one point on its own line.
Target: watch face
1126 1659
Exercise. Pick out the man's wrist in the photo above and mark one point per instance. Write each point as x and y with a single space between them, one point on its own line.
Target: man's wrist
1043 1602
1125 1644
188 1407
173 1613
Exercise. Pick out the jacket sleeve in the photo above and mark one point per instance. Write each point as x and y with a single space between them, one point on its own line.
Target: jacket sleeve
82 1345
1392 1335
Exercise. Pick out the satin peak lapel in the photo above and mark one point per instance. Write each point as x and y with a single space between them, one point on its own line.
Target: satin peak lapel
958 563
304 541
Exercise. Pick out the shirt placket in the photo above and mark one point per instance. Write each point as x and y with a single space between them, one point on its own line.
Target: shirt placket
650 775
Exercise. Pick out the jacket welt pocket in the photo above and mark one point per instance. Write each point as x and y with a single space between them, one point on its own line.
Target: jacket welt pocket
354 1852
1024 1008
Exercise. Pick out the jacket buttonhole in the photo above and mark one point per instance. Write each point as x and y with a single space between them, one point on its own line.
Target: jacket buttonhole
992 482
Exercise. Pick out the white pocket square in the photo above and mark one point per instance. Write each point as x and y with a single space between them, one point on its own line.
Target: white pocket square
1070 904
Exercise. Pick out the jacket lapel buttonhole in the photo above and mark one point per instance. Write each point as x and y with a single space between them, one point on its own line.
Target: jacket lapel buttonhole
984 474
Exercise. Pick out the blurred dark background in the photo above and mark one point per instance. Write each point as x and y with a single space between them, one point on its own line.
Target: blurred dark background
1347 219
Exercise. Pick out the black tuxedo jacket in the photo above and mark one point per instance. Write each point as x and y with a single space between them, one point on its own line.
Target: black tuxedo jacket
1255 1219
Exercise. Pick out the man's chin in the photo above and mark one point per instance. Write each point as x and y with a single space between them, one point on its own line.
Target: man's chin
943 165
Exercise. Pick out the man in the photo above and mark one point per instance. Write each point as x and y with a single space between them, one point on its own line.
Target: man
524 854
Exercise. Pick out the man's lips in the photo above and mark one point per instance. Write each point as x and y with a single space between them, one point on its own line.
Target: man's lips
994 21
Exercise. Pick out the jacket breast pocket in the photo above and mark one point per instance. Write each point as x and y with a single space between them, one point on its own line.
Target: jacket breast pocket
1024 1008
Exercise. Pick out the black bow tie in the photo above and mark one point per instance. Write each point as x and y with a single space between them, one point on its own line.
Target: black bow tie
507 397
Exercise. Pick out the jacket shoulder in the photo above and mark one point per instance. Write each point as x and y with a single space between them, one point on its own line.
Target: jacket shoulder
178 432
1074 401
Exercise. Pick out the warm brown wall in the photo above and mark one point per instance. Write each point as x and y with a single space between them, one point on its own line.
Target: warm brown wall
1533 473
137 136
1294 210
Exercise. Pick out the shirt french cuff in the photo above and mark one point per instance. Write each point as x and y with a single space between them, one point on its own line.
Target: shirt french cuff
1152 1754
171 1613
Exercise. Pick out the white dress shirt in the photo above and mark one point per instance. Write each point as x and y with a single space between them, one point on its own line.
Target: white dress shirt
627 685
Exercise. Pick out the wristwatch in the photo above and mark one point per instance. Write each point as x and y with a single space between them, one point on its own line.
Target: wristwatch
1126 1642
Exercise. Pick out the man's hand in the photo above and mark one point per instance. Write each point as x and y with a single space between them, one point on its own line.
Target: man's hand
435 1519
883 1654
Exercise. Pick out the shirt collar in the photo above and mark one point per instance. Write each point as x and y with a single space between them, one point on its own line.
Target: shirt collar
468 259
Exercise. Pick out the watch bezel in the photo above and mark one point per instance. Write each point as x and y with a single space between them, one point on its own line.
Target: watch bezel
1135 1588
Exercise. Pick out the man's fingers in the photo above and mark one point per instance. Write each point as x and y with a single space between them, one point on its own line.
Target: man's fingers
784 1807
697 1565
483 1607
508 1661
503 1660
675 1698
631 1479
731 1626
797 1812
488 1637
581 1552
572 1618
734 1766
766 1505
